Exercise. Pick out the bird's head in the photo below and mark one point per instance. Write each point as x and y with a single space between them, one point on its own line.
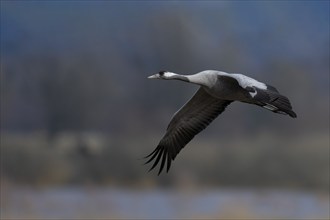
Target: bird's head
162 75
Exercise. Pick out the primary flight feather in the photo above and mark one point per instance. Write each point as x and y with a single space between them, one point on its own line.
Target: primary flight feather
217 90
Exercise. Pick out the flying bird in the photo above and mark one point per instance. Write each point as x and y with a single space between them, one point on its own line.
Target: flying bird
217 90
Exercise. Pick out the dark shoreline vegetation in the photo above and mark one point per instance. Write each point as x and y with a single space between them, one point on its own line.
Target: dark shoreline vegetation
89 158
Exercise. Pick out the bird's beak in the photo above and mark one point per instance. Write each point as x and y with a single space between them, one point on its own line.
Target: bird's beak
156 76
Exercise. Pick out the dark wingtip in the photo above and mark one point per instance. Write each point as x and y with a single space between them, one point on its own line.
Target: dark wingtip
292 114
159 155
151 153
164 154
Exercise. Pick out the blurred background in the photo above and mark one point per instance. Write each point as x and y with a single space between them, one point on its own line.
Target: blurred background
78 113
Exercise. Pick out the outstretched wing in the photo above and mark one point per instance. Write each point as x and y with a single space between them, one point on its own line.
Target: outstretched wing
191 119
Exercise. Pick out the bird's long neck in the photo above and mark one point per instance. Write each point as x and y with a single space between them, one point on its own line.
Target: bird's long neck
174 76
196 78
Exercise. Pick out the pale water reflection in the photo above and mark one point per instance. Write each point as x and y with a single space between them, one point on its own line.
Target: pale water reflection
159 204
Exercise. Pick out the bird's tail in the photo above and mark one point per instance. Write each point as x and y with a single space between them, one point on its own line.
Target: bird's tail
274 102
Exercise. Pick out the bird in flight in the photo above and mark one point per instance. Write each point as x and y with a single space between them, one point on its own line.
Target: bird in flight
217 90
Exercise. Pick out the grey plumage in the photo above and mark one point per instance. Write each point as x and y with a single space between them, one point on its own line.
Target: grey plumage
217 91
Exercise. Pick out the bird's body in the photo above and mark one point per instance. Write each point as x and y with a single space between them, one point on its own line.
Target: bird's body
218 89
